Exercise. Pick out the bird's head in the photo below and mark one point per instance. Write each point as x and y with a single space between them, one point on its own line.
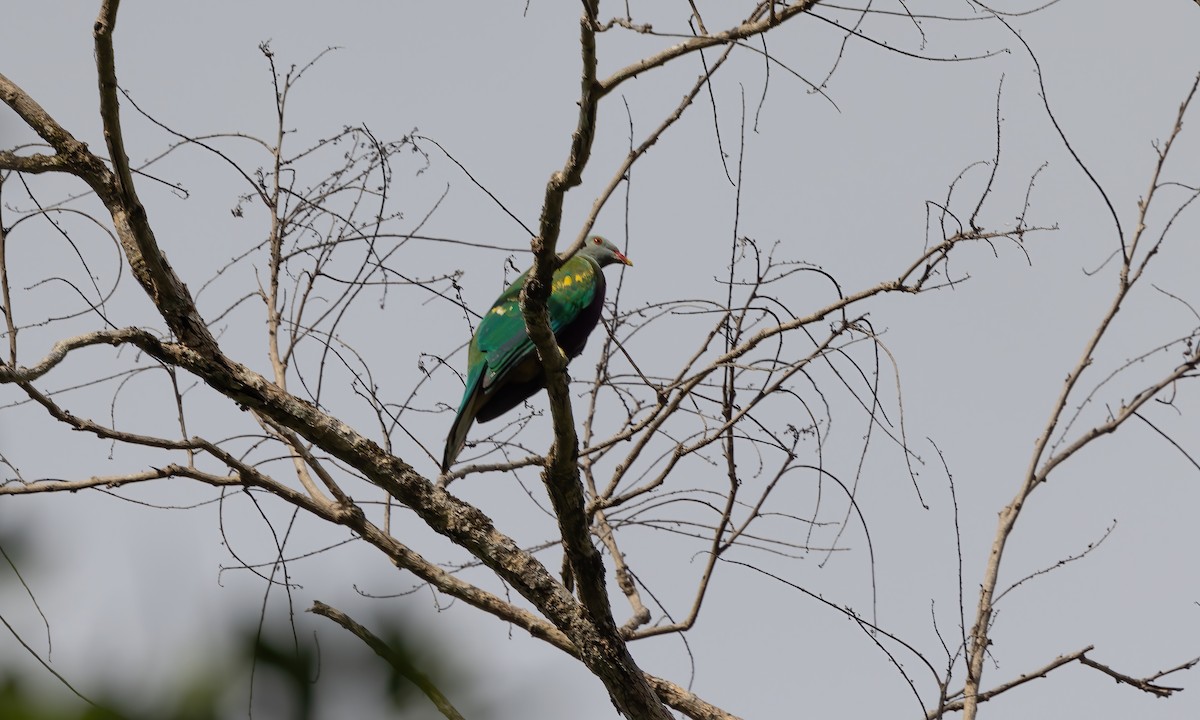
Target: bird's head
603 252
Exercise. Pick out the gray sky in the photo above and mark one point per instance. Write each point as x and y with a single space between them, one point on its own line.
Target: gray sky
137 592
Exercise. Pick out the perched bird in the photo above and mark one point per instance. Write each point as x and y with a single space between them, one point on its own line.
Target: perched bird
503 368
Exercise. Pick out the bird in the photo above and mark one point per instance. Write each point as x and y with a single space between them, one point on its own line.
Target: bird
503 368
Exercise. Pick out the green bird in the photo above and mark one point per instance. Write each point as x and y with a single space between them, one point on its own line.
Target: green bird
503 368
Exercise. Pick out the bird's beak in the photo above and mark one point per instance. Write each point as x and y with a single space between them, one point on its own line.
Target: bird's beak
624 259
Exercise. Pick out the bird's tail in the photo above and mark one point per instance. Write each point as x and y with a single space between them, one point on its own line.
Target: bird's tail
462 421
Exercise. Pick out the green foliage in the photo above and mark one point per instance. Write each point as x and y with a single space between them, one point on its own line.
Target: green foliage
291 678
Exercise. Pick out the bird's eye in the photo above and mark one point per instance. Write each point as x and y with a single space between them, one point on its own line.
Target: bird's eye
596 240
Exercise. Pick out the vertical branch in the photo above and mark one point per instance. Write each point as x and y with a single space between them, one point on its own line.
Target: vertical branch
278 365
571 174
562 468
301 457
733 334
610 659
147 262
5 295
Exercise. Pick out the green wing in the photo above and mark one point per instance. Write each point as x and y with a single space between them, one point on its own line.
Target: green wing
501 340
501 344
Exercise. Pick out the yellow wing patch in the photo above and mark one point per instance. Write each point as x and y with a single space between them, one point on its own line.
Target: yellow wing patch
567 281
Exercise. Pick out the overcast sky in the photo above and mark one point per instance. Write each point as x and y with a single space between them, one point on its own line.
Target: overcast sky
136 594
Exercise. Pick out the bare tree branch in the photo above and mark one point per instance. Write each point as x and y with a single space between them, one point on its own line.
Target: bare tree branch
398 662
1040 466
60 350
760 22
708 458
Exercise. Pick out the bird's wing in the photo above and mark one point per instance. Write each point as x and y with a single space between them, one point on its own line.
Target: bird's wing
574 288
501 342
502 339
